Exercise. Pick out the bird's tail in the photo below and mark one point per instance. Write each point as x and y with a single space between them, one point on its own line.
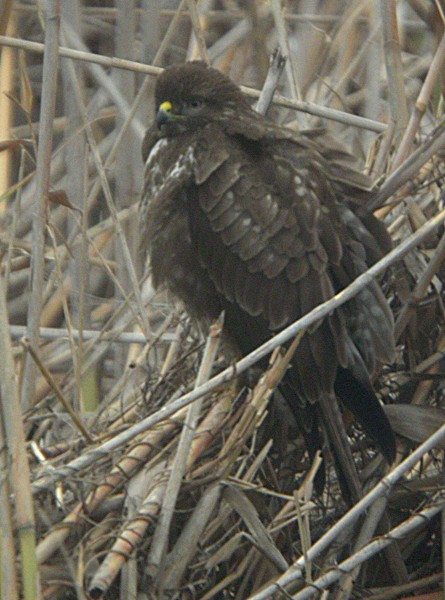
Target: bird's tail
306 419
353 388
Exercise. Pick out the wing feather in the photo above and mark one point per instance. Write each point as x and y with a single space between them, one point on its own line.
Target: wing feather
255 291
226 223
310 381
297 269
276 308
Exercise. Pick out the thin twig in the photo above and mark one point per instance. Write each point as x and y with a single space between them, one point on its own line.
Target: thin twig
58 392
422 285
270 85
408 170
434 73
394 67
47 114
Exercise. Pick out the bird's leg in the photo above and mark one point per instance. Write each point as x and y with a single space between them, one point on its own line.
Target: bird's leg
338 439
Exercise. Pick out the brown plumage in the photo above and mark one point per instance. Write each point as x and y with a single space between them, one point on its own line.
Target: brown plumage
245 216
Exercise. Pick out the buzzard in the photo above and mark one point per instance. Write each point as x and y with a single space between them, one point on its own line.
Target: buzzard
248 217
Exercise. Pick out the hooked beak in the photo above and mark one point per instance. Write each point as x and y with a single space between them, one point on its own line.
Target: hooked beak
164 113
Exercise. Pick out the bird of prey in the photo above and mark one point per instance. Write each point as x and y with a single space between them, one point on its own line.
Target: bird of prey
242 215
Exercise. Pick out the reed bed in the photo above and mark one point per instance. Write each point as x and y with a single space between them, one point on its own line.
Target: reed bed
139 461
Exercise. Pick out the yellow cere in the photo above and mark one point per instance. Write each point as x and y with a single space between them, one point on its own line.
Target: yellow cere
166 106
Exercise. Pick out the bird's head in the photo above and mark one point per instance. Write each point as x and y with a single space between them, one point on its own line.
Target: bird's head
191 94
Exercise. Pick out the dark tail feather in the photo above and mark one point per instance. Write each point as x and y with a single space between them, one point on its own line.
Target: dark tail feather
353 388
307 423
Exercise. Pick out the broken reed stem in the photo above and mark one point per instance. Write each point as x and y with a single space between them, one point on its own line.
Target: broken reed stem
257 405
276 67
210 425
283 40
200 49
132 534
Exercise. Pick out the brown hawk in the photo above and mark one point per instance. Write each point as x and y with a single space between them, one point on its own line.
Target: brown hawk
248 217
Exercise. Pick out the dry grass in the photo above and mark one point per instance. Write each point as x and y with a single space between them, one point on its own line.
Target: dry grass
129 469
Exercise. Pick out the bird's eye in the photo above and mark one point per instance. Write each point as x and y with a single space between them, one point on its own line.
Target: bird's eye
192 107
196 103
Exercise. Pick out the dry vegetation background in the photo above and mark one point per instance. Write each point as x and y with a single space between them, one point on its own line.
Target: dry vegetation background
104 492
